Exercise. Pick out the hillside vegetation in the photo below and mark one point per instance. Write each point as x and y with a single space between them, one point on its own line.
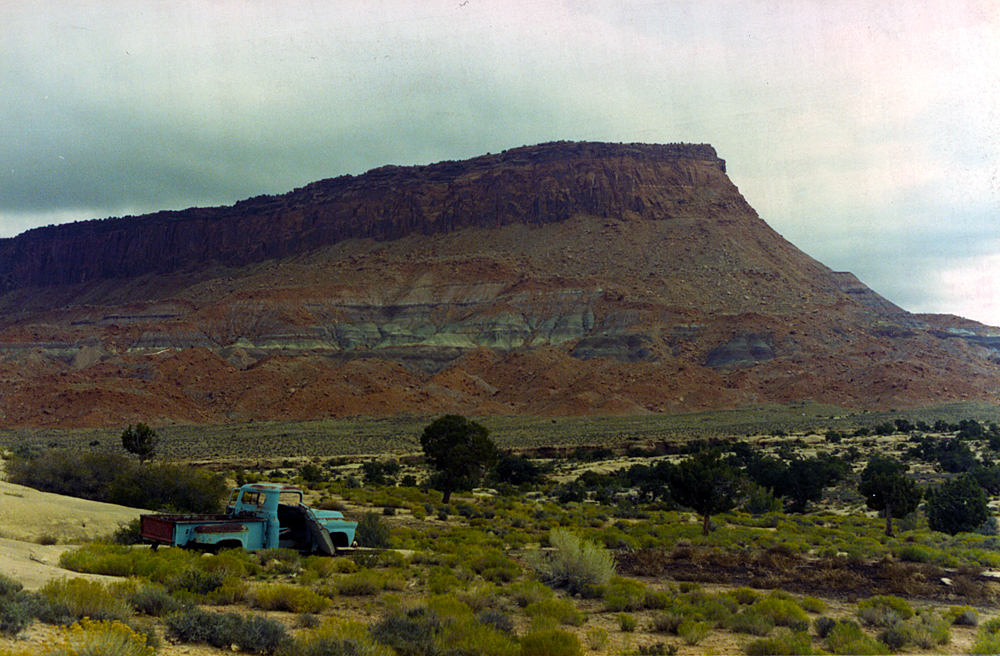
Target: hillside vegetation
585 551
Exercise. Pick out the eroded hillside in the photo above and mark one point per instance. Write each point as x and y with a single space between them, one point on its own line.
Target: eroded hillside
560 279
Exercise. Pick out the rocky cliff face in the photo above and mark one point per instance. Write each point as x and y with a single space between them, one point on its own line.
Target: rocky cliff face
555 279
532 186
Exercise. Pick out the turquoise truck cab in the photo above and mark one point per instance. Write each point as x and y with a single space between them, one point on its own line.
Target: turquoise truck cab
258 516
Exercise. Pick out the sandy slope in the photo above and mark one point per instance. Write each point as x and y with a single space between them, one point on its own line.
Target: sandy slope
27 516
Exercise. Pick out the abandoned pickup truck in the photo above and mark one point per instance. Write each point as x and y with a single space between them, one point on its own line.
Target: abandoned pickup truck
258 516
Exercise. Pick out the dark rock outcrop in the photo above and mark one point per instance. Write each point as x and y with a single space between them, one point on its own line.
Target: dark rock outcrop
533 185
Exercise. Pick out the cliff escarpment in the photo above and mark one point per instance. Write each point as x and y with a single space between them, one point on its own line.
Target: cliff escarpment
560 279
536 185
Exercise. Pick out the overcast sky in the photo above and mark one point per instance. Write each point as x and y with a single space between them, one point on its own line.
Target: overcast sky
867 132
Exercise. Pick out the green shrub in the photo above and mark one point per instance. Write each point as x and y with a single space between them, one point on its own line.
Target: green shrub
128 533
597 638
119 560
412 634
152 599
987 638
622 594
986 643
745 596
495 566
447 607
199 626
497 619
884 610
931 629
87 476
789 643
914 553
761 501
896 636
715 608
114 478
576 564
79 598
561 610
232 591
338 638
963 616
254 634
362 584
292 598
823 626
373 532
323 567
289 558
550 642
784 612
627 623
196 581
667 622
812 604
169 487
441 580
260 635
16 613
848 638
471 638
693 632
311 473
528 592
8 586
147 629
480 597
751 622
307 621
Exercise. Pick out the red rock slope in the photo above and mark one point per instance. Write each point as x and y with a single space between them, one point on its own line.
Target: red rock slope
558 279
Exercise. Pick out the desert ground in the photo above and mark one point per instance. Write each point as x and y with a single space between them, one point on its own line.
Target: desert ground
37 527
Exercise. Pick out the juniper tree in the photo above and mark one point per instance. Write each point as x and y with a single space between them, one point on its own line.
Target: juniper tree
141 441
459 449
885 487
958 505
705 484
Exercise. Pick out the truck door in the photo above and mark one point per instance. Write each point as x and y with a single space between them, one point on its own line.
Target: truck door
321 537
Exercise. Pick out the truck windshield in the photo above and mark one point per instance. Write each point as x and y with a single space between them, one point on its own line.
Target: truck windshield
252 499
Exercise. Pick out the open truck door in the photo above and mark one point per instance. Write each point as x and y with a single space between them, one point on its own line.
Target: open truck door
321 537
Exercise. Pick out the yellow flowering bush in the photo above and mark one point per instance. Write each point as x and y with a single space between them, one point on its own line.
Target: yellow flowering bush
92 638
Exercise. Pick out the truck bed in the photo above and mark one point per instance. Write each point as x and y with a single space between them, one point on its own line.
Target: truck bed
162 528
